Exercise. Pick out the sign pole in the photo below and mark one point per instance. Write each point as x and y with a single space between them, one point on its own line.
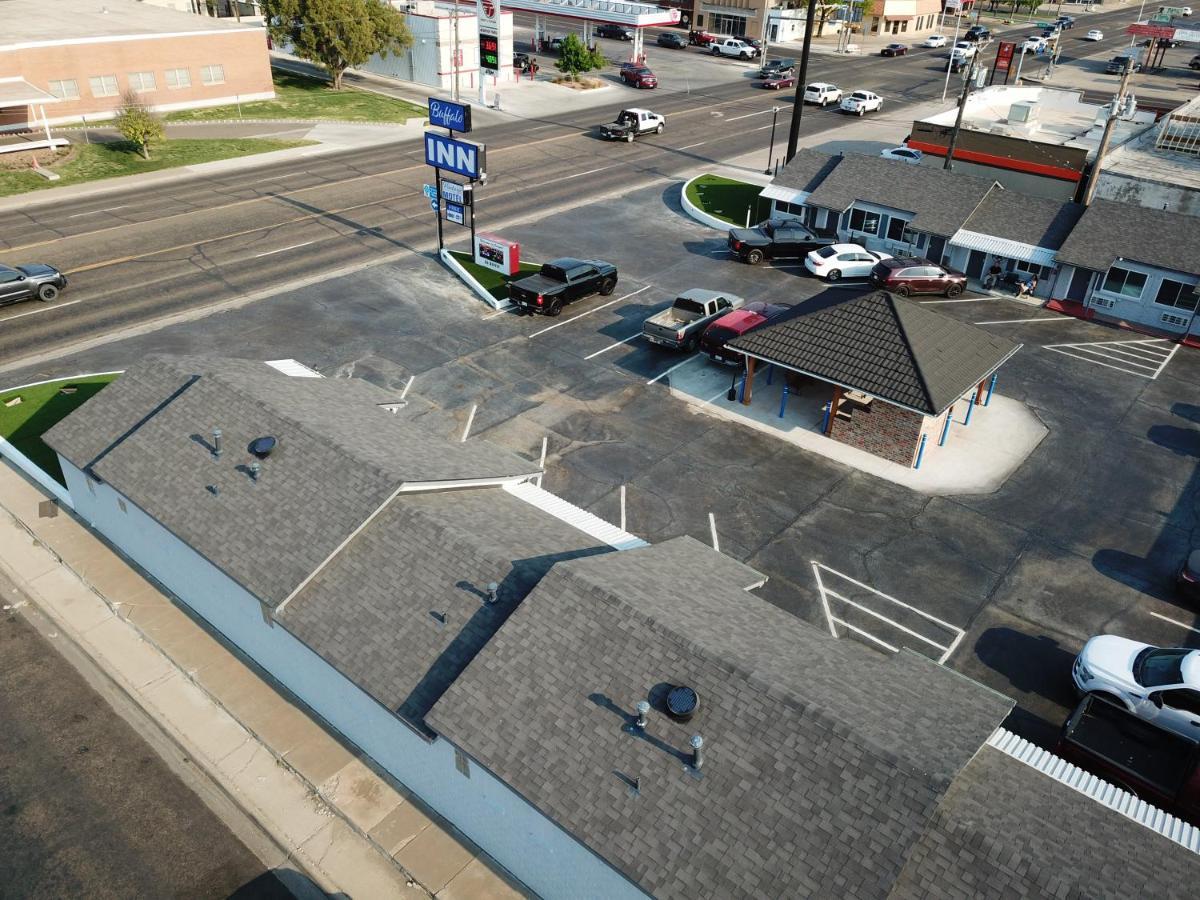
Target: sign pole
437 208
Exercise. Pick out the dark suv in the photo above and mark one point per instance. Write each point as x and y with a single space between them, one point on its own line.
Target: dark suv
977 34
616 32
26 282
906 275
672 40
779 239
777 68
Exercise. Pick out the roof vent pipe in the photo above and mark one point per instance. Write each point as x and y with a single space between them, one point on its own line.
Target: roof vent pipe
493 592
697 751
255 468
642 708
216 447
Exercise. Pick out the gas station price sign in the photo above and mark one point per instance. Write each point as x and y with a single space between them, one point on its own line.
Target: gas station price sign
489 52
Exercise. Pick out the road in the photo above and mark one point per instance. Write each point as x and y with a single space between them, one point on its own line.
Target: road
147 253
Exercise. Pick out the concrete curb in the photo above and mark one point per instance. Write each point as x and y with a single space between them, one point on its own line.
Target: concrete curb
697 213
471 281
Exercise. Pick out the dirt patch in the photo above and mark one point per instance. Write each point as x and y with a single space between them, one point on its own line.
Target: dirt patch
46 158
583 84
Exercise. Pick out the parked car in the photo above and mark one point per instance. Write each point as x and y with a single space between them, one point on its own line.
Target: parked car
562 281
963 50
616 32
1094 34
525 64
732 47
756 44
672 40
978 34
28 282
894 50
638 76
1118 64
774 67
905 275
1169 43
1188 580
838 261
680 325
1159 684
862 102
1158 765
1064 22
956 64
718 334
902 154
822 93
700 38
775 82
935 40
1194 62
633 123
774 239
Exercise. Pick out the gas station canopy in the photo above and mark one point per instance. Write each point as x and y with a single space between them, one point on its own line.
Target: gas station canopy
618 12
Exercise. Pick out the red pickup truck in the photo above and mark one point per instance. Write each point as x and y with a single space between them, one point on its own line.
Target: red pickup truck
700 38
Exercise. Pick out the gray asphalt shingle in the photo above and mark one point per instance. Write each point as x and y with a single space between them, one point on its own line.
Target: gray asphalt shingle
1030 220
1109 231
807 169
881 344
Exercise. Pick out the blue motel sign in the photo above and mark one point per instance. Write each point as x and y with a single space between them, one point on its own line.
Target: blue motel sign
460 157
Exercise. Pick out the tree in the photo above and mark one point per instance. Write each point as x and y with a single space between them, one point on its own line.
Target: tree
825 9
574 57
138 125
337 34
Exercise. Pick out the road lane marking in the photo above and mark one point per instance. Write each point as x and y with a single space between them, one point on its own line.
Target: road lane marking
748 115
34 312
1017 321
680 365
580 174
93 212
1174 622
588 313
282 249
690 146
613 346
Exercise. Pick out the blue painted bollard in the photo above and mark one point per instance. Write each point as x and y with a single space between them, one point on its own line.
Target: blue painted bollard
920 451
783 401
991 387
945 430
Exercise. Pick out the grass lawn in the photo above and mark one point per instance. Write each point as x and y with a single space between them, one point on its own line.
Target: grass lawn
725 198
297 97
95 161
40 408
493 282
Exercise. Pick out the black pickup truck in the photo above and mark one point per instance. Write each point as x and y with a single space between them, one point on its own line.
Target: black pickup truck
1160 766
561 281
782 239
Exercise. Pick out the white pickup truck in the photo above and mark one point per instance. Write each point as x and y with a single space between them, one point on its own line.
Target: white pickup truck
733 47
681 324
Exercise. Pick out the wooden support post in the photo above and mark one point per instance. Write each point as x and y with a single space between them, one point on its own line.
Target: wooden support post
833 408
979 394
748 387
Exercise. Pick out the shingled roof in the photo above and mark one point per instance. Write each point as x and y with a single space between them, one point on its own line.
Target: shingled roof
1038 221
883 345
1110 231
807 169
941 202
824 760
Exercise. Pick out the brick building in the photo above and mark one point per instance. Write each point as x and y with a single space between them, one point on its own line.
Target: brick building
73 58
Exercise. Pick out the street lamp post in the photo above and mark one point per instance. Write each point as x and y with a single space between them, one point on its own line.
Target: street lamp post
771 151
957 25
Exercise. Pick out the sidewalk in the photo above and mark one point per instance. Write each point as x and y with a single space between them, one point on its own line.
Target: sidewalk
353 831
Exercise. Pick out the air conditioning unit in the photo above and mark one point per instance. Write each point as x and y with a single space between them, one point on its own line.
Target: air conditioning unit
1104 302
1024 111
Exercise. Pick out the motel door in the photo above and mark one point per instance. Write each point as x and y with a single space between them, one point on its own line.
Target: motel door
975 263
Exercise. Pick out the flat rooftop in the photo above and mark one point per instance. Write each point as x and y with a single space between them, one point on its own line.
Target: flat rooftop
1142 158
43 22
1059 117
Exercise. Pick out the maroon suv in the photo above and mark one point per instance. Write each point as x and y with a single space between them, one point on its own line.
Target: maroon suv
906 275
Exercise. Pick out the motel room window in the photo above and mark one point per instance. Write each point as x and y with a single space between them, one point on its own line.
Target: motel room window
212 74
1124 282
178 78
864 221
104 85
1176 294
66 89
141 82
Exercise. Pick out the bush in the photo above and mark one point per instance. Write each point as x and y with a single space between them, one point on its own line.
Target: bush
138 125
574 57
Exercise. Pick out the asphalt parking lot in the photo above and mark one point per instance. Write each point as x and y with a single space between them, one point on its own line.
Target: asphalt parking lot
1084 538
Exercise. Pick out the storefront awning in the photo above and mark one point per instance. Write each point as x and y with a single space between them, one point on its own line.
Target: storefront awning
786 194
19 92
986 243
898 18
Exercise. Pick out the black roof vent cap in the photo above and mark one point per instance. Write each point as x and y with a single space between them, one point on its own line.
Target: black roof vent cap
262 447
682 703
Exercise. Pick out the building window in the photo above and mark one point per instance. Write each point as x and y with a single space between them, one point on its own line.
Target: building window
1031 268
141 82
66 89
1124 282
898 230
104 85
864 221
1177 294
178 78
212 74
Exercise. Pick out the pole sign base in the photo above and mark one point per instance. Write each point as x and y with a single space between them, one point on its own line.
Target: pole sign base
498 254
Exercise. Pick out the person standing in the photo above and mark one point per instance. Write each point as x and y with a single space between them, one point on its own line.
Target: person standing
993 275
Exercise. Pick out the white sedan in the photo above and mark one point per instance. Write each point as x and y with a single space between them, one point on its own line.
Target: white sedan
1154 683
861 102
1094 35
935 40
902 154
838 261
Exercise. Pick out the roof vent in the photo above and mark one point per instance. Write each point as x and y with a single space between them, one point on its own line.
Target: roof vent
682 703
262 447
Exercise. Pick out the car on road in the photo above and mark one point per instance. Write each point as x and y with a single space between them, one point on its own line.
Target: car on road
680 325
906 275
775 67
902 154
963 51
1035 43
775 82
1065 22
1159 684
894 50
978 34
638 76
633 123
672 40
935 40
701 38
562 281
615 32
1050 33
734 47
862 102
1119 63
838 261
1194 62
1187 581
29 282
774 239
1094 34
716 337
822 93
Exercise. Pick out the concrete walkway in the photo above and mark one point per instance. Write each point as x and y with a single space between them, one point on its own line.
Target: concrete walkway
354 832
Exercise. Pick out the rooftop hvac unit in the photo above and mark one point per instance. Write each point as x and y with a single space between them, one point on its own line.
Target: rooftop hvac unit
1024 111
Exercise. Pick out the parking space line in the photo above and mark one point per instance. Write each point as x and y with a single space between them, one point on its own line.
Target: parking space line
1019 321
1174 622
883 618
589 312
673 368
866 634
962 300
613 346
34 312
1145 358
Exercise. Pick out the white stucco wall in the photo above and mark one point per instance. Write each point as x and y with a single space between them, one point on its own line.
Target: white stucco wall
1143 309
532 847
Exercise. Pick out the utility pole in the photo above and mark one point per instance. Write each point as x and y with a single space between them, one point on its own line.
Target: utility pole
957 25
457 51
962 106
1094 177
801 80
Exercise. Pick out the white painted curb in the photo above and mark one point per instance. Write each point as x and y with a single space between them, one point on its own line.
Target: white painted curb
454 266
700 215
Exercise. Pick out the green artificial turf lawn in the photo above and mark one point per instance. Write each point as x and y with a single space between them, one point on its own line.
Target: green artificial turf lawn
725 198
40 408
493 282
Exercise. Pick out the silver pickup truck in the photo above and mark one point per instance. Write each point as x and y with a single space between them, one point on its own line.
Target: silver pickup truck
681 325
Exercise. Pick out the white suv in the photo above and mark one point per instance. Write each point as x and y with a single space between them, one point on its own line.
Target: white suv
1154 683
822 93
